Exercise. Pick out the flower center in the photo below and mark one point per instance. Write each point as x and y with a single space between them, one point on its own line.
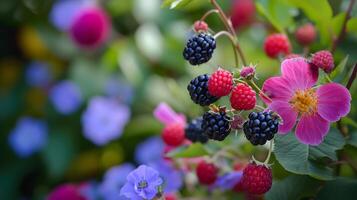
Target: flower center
142 185
304 101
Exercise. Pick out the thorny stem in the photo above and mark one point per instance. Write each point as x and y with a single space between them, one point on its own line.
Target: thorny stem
231 37
343 30
208 13
269 153
230 29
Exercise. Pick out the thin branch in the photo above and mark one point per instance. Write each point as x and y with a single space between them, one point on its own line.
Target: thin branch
352 77
231 37
208 13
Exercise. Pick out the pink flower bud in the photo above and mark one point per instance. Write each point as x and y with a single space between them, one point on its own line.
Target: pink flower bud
247 72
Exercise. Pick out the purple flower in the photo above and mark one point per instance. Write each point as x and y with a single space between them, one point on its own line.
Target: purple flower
66 97
142 183
228 180
38 74
114 179
63 13
119 89
170 175
29 136
104 120
151 150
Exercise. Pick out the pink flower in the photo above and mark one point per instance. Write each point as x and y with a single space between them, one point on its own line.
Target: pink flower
166 115
294 97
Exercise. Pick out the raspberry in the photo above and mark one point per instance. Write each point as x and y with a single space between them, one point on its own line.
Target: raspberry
170 197
216 125
306 34
247 72
243 12
194 131
323 60
220 83
206 172
198 89
260 127
276 44
173 134
199 48
257 179
200 26
243 97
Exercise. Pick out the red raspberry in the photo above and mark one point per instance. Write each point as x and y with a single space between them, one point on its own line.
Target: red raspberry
243 12
239 167
206 172
174 134
200 26
306 34
220 83
276 44
170 197
243 97
257 179
324 60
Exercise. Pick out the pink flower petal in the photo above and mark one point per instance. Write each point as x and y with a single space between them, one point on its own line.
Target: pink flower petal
277 88
334 101
287 113
299 73
311 129
166 115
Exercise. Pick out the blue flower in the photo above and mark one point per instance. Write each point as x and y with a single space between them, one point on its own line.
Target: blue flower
172 177
29 136
38 74
142 183
63 13
119 89
228 180
113 180
66 97
104 120
151 150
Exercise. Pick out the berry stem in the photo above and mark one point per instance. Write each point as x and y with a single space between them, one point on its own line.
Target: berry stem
258 89
208 13
269 153
328 78
230 29
231 37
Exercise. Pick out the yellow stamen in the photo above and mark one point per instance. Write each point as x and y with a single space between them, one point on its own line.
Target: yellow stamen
304 101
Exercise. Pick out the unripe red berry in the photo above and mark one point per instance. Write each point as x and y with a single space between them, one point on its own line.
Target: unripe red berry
200 26
220 83
257 179
206 173
174 134
243 97
243 13
277 44
306 34
247 72
323 60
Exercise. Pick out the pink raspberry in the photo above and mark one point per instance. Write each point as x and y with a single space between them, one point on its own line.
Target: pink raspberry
243 13
306 34
323 60
277 44
257 179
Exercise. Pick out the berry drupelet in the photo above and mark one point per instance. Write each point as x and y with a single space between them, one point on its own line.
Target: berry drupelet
194 131
199 48
198 89
216 125
260 127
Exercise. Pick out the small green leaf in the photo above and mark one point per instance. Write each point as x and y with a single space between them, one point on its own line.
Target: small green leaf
293 187
341 188
175 4
333 141
352 25
261 9
193 150
349 121
339 69
337 23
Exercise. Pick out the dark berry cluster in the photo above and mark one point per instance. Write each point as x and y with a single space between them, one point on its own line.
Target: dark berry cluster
260 127
199 48
216 125
198 89
194 131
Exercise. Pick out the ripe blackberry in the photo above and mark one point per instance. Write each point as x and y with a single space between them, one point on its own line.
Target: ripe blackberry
199 48
194 132
216 125
198 89
260 127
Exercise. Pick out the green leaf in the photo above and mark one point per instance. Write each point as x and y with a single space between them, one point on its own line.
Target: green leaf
261 9
175 4
341 189
293 187
353 139
303 159
352 25
349 121
193 150
339 68
337 23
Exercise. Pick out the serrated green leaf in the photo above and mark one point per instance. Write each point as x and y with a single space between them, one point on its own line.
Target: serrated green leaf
193 150
176 4
341 188
333 141
293 187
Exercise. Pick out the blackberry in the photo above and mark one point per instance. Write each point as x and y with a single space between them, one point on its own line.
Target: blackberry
261 127
194 131
199 48
198 89
216 125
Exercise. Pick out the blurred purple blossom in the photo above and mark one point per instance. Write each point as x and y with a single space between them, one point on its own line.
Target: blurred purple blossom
38 74
89 190
119 89
66 97
113 180
28 137
228 180
104 120
63 13
142 183
166 115
171 176
149 151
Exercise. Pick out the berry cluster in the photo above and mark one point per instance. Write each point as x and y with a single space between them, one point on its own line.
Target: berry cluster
199 48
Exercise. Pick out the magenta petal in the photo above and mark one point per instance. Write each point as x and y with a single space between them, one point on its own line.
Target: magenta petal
166 115
334 101
277 88
287 113
299 73
311 129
